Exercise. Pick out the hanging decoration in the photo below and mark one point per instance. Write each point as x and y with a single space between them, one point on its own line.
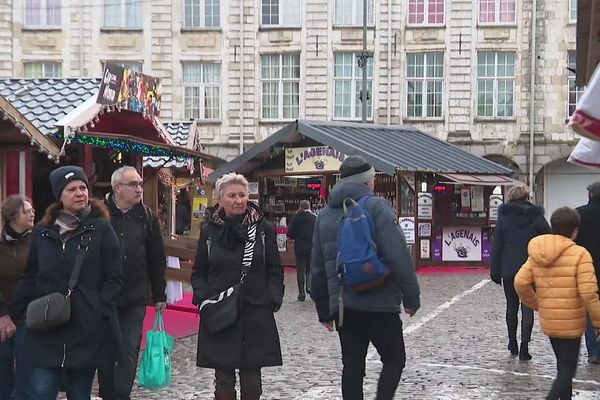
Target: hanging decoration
166 178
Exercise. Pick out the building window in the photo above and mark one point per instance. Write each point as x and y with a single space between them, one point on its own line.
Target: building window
572 11
131 65
123 13
202 13
281 12
426 12
202 91
425 78
495 84
280 78
350 12
575 91
497 11
42 13
348 84
42 70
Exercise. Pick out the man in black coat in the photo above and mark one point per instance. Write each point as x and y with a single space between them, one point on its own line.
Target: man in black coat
301 231
589 237
144 263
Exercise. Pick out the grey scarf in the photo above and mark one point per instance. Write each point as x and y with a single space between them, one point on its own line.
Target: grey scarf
67 223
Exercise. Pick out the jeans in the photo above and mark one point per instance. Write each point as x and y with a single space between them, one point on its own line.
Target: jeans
302 271
593 347
384 330
116 378
567 355
512 311
45 383
13 372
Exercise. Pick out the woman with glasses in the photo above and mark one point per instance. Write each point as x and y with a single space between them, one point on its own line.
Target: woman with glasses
15 239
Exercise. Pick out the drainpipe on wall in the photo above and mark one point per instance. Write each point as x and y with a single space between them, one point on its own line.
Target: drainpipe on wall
241 77
532 94
81 36
389 60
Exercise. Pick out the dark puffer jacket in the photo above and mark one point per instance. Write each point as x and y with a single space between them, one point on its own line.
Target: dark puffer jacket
13 256
518 222
301 230
401 288
589 231
93 314
254 341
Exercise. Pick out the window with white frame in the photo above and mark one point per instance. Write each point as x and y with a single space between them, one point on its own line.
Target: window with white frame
281 13
348 85
280 78
497 11
202 13
495 84
42 69
131 65
43 13
123 13
350 12
426 12
572 11
202 91
575 91
425 81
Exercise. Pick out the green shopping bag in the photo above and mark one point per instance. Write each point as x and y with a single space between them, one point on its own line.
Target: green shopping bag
155 370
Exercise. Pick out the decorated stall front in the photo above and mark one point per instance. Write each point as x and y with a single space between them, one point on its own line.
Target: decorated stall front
445 198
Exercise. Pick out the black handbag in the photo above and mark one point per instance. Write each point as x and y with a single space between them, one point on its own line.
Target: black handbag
54 309
222 311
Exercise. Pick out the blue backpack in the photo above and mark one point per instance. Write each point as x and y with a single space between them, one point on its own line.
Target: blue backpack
359 266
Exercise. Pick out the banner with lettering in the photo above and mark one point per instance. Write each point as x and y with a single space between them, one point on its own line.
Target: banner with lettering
313 159
461 244
130 90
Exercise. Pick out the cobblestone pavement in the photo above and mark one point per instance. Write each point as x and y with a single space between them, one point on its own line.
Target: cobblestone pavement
456 349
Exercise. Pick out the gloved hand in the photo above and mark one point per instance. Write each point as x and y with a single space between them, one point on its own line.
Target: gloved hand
496 279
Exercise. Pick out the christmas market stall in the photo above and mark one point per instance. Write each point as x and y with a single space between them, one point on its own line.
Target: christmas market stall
446 199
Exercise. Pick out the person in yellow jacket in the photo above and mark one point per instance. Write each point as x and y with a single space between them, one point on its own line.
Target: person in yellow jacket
559 282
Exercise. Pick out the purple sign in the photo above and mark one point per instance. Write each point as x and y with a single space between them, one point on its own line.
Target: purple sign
485 246
437 247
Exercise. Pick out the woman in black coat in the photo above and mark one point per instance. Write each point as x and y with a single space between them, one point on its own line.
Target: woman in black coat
518 222
253 341
71 349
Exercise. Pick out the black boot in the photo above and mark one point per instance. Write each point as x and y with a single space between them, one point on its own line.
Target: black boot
251 393
225 394
524 352
513 347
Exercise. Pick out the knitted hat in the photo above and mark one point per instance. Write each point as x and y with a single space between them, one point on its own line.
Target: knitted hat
356 169
60 177
594 189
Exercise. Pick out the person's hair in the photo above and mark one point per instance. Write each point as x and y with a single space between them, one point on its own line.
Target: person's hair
519 192
230 179
117 176
304 205
564 221
11 207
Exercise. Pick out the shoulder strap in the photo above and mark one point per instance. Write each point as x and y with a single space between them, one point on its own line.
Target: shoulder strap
248 252
81 250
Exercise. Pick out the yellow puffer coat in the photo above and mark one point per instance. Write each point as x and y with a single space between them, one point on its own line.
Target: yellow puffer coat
562 274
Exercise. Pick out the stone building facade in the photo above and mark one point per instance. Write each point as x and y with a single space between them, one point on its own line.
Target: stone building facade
458 69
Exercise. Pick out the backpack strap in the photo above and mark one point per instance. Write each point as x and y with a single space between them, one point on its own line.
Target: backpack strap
363 203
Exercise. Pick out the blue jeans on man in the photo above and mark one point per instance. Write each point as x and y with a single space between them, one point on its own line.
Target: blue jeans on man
593 347
45 383
13 373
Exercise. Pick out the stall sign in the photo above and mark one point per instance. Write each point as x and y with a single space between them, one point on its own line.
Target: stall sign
424 229
495 201
252 187
465 199
425 203
477 199
281 237
313 159
486 247
437 247
199 205
425 248
407 224
130 90
461 244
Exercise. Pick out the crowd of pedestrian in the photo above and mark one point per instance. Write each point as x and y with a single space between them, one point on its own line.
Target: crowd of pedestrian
107 259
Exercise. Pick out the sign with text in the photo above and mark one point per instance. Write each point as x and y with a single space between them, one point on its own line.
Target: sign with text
130 90
313 159
425 203
496 201
407 224
461 244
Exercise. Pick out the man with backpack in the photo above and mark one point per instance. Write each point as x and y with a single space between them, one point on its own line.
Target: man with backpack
144 264
361 272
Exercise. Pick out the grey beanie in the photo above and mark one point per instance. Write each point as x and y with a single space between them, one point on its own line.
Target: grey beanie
61 177
356 169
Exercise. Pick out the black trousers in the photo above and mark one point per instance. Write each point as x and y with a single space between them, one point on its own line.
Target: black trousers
567 356
116 379
302 272
384 330
250 381
512 310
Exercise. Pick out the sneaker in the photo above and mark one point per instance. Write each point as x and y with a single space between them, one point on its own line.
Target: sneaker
594 359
